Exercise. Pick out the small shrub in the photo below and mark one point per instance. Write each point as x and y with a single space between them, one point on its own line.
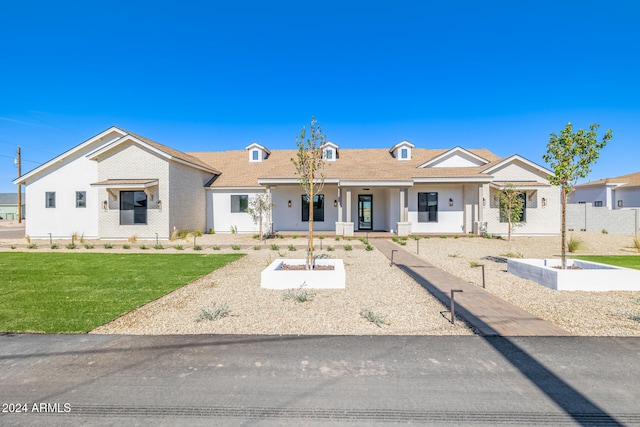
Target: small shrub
395 239
604 231
144 247
178 247
456 236
369 247
295 236
635 317
13 246
197 233
158 247
256 248
133 239
402 243
299 295
574 244
280 236
363 240
330 248
211 231
427 237
126 246
213 313
321 237
474 264
108 245
414 237
337 238
492 236
348 248
54 246
89 246
82 238
215 247
235 247
443 237
291 248
256 236
372 317
197 247
274 247
234 229
71 246
456 255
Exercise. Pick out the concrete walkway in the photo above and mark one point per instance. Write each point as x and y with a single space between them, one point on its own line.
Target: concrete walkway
486 312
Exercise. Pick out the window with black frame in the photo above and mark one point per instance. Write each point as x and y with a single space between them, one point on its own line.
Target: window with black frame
318 208
428 207
133 207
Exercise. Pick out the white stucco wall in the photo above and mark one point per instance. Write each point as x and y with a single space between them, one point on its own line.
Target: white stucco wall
220 217
589 195
450 218
72 174
290 218
630 197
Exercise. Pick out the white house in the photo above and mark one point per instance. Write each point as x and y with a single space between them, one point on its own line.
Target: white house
613 193
119 184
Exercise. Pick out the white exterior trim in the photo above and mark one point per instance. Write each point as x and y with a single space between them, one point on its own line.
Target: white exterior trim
513 158
458 149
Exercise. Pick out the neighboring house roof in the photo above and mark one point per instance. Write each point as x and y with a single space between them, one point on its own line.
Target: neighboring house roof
10 199
630 180
357 165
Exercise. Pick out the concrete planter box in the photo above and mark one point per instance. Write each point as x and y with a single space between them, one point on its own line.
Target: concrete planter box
273 277
593 276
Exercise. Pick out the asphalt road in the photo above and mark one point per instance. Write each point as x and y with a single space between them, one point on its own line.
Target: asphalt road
313 380
14 231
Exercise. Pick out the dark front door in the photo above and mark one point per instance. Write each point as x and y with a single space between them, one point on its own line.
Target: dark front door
365 212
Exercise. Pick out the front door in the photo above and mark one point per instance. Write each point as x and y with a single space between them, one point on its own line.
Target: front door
365 212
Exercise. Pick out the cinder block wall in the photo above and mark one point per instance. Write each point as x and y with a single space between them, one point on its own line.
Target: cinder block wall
586 217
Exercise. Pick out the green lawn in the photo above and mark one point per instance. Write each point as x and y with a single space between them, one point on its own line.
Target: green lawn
628 261
74 293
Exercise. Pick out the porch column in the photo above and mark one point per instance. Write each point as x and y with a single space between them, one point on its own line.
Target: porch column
348 224
269 212
340 219
348 218
481 202
403 226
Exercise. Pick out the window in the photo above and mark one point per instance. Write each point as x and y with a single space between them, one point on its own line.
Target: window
50 199
427 207
254 155
403 153
597 204
81 199
523 212
133 207
328 154
239 203
318 208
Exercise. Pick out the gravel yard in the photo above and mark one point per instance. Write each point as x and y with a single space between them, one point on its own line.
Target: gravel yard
371 284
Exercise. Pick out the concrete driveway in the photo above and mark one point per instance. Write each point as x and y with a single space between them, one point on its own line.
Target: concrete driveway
314 380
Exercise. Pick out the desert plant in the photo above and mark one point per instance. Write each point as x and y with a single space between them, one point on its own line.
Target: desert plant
256 248
295 236
604 231
197 247
133 238
634 317
71 246
108 245
234 229
197 233
321 237
212 231
89 246
574 244
474 264
369 247
299 295
372 317
337 238
81 238
443 237
291 248
255 236
512 255
54 246
144 247
330 248
348 248
456 255
13 246
636 242
126 246
215 247
235 247
178 247
274 247
213 312
158 246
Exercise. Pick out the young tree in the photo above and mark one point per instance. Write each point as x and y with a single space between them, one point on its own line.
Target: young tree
260 209
571 156
309 165
511 205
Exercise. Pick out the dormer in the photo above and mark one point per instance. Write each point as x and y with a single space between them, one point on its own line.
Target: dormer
329 152
257 152
402 150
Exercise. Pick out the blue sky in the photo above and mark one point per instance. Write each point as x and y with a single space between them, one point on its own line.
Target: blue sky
209 75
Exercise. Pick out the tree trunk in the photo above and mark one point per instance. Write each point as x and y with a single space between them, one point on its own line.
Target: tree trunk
564 228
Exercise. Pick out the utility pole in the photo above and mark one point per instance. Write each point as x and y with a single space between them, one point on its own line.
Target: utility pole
19 189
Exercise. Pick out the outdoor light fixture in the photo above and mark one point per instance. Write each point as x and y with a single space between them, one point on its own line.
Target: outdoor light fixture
619 203
289 204
105 205
544 202
484 202
335 203
450 202
159 204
